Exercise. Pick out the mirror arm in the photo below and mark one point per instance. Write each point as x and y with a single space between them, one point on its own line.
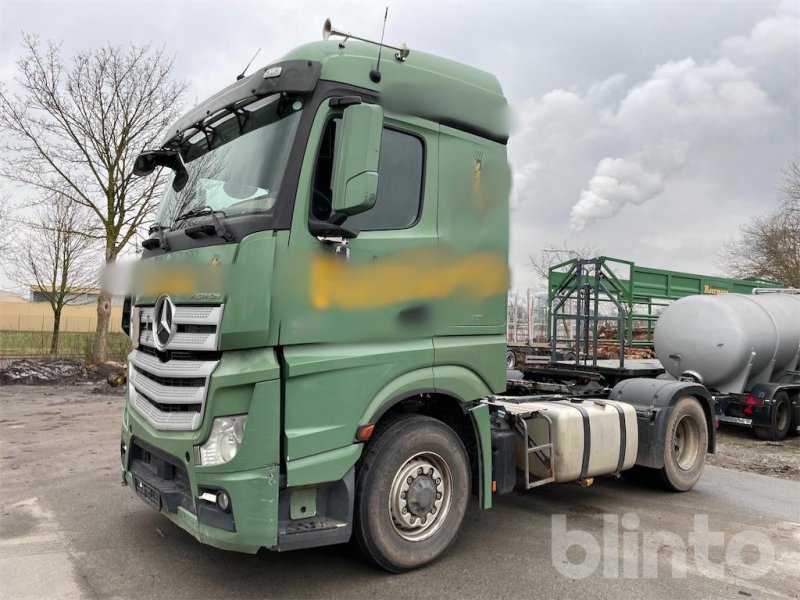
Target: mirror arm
337 218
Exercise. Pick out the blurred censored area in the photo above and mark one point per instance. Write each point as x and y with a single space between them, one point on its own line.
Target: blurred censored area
151 278
417 275
315 295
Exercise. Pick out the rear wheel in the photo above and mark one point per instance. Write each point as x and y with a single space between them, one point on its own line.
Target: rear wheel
411 494
780 419
685 445
793 428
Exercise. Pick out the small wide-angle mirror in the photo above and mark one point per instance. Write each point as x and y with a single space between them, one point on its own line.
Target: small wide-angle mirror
355 173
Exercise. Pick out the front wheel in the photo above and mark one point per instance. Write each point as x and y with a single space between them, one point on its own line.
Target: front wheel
411 494
686 444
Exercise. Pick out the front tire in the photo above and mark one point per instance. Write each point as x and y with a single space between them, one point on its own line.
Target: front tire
685 445
412 490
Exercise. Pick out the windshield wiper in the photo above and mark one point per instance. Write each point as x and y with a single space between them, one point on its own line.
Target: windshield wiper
219 228
161 242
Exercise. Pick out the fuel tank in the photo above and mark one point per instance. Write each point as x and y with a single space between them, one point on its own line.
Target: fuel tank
730 342
589 438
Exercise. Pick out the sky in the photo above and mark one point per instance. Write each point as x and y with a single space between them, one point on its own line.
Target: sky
650 130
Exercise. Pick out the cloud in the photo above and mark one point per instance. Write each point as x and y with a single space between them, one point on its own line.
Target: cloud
621 181
694 104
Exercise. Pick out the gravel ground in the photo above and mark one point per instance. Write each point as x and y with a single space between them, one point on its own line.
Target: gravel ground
738 448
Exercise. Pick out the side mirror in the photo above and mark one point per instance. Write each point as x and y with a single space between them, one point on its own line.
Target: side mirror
355 172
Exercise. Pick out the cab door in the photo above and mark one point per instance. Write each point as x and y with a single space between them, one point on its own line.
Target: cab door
353 324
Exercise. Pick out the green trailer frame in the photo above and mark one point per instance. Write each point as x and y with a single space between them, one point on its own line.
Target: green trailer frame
636 291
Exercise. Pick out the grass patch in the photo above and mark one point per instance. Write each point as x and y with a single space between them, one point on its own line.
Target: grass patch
70 344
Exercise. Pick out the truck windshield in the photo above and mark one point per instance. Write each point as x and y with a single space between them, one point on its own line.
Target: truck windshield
236 164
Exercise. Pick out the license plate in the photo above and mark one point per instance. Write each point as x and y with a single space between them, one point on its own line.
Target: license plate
147 493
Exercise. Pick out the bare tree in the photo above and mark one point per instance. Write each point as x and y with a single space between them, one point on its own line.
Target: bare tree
553 254
76 129
56 257
768 247
7 227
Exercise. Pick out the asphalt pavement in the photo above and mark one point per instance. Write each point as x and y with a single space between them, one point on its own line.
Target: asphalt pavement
68 529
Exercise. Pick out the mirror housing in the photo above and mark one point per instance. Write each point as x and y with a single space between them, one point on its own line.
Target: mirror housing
355 172
147 162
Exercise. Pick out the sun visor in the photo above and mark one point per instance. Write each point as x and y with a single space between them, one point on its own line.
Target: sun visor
291 76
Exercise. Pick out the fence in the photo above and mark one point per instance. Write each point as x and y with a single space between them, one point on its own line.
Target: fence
38 316
26 330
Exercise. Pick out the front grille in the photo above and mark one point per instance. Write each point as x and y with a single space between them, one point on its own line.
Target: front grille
169 387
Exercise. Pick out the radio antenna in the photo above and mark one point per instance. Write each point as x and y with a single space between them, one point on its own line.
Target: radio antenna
375 74
241 75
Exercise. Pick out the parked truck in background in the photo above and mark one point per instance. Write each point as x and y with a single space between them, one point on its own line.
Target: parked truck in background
745 348
319 320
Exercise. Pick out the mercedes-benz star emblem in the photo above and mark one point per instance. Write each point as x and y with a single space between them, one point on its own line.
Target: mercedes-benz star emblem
163 313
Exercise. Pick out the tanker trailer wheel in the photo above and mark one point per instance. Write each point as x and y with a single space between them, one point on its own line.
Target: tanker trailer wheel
685 445
781 419
411 493
511 360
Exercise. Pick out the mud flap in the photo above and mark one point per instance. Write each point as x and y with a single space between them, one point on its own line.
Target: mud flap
483 435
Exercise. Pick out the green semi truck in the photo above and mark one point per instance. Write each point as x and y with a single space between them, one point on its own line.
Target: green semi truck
319 319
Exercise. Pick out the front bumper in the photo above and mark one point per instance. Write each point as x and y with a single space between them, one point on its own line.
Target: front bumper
258 521
174 490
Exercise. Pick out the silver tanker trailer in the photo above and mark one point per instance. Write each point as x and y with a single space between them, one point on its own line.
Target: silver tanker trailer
745 349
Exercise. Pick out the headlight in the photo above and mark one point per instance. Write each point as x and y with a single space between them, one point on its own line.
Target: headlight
224 441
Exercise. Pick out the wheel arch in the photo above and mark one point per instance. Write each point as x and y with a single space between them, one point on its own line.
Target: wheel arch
653 400
446 403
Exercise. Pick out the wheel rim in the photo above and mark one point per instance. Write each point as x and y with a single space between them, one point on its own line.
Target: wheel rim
686 442
420 496
509 360
781 417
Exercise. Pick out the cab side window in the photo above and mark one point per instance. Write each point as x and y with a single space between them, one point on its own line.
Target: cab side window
400 170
